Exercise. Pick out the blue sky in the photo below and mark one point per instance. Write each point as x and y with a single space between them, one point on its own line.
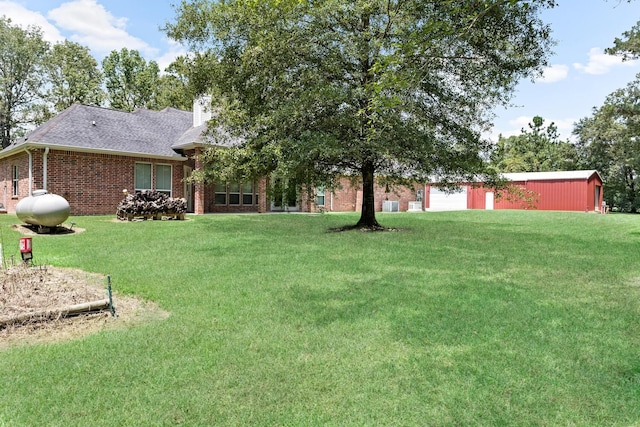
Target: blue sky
579 78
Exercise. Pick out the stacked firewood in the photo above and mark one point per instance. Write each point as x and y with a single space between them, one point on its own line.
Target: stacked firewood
150 204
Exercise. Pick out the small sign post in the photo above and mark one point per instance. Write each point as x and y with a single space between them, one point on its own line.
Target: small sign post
25 249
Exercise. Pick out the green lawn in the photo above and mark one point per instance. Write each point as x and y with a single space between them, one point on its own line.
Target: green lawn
470 318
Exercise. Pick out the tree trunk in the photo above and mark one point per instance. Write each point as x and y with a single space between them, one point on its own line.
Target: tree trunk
368 214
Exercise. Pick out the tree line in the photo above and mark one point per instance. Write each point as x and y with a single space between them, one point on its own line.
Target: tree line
39 79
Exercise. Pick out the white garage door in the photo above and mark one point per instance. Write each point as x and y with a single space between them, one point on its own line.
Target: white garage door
442 201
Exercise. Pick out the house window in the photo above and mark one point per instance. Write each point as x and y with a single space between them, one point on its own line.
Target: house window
143 176
15 180
247 193
320 196
163 179
221 194
234 193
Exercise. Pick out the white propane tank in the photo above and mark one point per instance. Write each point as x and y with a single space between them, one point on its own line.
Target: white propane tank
42 208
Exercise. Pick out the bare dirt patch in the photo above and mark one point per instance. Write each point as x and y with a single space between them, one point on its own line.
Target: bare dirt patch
30 291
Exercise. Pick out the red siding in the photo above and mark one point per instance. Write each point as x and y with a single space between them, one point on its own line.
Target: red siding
559 195
476 197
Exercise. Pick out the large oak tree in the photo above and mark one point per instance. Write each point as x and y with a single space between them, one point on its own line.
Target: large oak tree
400 89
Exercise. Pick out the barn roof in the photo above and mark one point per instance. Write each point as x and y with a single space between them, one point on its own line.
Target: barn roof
539 176
551 176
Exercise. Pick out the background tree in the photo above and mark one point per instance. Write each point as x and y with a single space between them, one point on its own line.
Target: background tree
131 81
610 142
73 76
175 89
22 78
538 149
400 89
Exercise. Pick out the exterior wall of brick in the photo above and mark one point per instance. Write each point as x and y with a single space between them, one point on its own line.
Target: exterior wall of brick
348 197
199 191
204 194
7 198
92 183
263 202
228 207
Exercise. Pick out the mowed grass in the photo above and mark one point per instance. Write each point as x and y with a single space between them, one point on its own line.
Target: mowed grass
494 318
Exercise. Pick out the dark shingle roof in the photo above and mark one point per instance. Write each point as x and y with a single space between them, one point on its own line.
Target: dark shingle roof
191 136
91 128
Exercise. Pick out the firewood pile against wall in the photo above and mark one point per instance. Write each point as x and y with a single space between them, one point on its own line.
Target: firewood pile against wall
150 204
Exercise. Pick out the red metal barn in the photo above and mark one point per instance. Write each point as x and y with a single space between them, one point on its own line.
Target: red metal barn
561 191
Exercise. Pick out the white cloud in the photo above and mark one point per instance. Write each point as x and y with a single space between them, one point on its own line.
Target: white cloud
23 17
601 63
517 124
175 50
90 24
83 21
554 73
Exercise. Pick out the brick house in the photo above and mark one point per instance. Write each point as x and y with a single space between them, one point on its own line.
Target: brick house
89 155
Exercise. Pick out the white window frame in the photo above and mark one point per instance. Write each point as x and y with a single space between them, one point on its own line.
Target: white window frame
135 178
220 190
235 189
320 194
167 191
15 180
248 197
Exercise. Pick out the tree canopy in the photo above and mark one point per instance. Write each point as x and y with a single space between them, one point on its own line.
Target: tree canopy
610 142
537 149
131 81
22 78
399 89
629 45
73 76
175 87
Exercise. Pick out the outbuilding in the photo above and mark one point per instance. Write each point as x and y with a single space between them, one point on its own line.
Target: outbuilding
579 190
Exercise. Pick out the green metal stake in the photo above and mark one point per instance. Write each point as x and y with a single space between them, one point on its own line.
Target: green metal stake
111 307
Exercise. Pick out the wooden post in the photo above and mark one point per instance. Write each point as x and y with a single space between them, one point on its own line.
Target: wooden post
72 310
